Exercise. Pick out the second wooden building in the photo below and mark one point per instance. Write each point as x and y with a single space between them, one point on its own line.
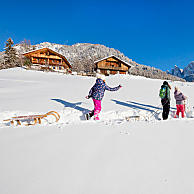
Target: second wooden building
112 65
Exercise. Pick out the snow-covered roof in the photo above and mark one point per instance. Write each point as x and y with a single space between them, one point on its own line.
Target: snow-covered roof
37 50
129 64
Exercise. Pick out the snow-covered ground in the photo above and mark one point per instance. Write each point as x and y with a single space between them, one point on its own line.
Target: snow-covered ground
75 156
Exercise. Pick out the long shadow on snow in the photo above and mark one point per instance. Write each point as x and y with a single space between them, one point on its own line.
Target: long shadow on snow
74 106
149 106
139 106
132 105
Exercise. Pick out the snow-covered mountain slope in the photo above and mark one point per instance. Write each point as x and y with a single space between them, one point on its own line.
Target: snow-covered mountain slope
80 55
112 155
83 55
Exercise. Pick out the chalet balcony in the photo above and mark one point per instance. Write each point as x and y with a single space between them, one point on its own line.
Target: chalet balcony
114 68
50 63
43 56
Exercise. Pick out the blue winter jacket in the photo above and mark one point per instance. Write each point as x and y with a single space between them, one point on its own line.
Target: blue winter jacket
97 91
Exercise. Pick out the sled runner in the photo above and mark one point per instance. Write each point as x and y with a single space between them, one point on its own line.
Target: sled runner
137 118
35 118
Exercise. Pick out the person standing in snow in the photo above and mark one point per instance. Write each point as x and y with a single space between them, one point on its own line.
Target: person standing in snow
165 99
97 94
180 102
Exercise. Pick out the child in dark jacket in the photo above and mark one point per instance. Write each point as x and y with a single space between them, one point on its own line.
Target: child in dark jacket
97 94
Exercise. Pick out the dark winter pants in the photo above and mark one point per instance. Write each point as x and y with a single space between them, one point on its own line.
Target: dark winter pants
166 109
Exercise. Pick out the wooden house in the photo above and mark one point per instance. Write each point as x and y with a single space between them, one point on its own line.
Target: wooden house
46 58
112 65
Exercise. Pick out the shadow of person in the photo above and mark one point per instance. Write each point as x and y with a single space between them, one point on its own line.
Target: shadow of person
74 106
138 106
131 105
145 105
150 106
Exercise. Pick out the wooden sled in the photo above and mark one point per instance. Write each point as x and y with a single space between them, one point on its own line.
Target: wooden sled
35 118
136 118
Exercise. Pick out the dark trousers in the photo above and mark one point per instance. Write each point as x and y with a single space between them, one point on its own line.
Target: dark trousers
166 108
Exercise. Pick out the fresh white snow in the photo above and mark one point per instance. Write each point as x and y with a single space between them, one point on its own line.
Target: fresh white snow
75 156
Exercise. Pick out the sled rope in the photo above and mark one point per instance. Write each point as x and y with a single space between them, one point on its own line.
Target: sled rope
35 118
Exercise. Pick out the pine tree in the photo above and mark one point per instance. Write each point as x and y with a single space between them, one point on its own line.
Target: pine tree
26 62
10 57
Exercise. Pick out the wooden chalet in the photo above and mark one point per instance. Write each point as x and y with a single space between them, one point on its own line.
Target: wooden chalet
46 58
112 65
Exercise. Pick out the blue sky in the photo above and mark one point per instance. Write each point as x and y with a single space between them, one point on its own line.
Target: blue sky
158 33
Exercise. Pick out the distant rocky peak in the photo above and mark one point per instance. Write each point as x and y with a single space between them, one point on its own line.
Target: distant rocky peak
176 71
186 73
189 69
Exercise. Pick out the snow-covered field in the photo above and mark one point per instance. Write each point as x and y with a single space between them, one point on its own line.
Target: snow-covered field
75 156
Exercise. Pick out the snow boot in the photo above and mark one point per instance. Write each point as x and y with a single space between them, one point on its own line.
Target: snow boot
89 115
